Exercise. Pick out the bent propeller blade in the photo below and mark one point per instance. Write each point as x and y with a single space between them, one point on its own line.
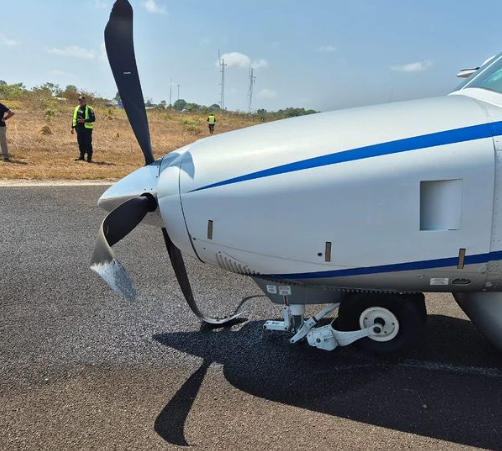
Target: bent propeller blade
181 275
118 224
120 50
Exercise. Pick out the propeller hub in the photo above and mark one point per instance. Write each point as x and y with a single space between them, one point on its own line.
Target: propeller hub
141 182
152 202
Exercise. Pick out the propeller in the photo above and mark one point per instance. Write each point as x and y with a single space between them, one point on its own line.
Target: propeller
181 274
116 226
123 219
120 50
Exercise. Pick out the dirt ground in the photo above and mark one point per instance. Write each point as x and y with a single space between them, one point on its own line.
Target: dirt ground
44 149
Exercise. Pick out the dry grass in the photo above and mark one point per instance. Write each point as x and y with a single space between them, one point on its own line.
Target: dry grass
43 148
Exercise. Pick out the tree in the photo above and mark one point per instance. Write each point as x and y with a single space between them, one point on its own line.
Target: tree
214 107
194 107
53 89
71 88
179 105
11 92
294 112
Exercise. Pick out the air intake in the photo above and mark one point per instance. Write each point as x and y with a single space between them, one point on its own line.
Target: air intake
230 264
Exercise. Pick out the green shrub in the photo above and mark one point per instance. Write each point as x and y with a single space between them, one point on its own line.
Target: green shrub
192 126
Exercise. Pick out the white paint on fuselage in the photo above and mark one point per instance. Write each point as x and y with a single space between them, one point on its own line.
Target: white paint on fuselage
368 209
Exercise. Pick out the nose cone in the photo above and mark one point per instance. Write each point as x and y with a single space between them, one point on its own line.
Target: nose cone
143 180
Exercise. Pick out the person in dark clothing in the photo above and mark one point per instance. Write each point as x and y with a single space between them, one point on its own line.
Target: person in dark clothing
83 124
3 131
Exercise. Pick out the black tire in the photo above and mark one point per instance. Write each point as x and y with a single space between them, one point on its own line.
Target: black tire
408 309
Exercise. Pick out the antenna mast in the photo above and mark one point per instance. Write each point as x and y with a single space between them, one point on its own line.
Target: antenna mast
222 84
252 79
171 92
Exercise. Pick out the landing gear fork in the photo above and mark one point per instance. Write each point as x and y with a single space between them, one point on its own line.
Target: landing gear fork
325 337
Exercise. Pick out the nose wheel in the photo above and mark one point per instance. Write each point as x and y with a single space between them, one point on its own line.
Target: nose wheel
398 321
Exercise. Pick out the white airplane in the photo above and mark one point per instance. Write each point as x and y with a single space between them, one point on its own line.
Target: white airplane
362 209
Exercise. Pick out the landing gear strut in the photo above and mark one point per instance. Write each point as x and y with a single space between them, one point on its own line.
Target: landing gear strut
381 324
326 337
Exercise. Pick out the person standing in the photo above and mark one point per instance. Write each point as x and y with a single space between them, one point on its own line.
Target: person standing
211 120
3 130
83 124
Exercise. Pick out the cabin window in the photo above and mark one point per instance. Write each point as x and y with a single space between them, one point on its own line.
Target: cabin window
440 204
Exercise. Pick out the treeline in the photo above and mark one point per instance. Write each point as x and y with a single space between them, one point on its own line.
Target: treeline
18 91
287 112
182 105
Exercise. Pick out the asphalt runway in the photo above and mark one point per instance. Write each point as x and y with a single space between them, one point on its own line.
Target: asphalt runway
81 368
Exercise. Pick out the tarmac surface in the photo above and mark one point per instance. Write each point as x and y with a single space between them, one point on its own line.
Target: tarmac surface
82 369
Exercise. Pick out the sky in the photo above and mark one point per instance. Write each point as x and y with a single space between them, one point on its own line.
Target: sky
315 54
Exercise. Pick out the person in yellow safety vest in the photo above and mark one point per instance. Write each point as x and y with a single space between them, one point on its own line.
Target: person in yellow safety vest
83 123
211 120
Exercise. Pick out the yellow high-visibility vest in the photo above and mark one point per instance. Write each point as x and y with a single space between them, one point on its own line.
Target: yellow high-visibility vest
211 119
88 125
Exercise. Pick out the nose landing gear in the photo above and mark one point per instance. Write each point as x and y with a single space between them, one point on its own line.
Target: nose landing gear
398 320
378 323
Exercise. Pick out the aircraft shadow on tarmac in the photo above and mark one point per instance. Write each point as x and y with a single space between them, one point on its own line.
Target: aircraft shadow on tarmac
450 388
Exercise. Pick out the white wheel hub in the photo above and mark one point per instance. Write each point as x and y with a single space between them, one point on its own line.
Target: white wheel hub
385 322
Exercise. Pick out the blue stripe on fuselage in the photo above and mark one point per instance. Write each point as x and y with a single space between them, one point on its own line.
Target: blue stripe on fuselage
375 150
410 266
